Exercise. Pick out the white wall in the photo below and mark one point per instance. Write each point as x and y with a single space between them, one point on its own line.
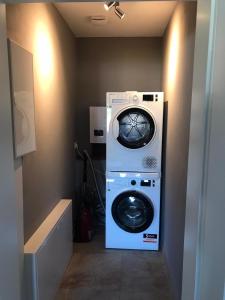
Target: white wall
11 240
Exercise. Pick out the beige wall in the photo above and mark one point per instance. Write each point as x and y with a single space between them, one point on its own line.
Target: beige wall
48 173
177 85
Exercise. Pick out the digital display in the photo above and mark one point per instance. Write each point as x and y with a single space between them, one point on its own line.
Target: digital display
148 97
145 182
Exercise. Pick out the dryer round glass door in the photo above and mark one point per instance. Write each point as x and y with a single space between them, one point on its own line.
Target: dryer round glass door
132 211
136 128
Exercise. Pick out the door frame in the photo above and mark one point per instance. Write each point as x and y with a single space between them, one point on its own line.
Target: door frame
11 220
203 276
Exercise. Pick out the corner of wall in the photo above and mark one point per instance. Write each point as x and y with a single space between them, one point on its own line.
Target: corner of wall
177 86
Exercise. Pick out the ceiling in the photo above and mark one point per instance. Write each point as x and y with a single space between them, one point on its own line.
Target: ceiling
142 19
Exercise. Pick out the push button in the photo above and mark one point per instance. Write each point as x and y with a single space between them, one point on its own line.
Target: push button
133 182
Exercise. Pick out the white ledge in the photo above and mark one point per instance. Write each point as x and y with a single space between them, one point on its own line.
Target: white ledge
41 234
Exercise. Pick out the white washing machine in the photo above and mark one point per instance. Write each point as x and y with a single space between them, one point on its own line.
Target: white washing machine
134 131
132 210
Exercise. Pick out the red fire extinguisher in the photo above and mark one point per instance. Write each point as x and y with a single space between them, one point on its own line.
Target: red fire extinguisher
85 226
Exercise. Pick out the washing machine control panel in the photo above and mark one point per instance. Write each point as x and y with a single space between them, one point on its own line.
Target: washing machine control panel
148 182
144 182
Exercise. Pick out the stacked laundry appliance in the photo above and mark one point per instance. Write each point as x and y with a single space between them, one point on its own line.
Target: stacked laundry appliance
133 169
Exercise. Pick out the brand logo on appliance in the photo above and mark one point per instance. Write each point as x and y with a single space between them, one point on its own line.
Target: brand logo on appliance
149 238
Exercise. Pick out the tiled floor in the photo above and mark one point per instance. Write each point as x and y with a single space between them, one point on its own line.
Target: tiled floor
96 273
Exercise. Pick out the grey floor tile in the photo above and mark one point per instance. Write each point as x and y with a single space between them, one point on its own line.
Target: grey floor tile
94 294
98 273
141 295
64 294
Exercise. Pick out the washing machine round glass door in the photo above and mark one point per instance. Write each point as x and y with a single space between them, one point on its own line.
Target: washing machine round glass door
132 211
136 128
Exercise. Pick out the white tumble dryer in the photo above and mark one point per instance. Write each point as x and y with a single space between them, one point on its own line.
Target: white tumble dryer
134 131
132 210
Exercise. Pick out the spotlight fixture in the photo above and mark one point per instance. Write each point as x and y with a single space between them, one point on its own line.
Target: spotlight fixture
119 12
109 5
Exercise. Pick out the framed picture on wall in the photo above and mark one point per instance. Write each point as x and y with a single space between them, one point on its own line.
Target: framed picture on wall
22 91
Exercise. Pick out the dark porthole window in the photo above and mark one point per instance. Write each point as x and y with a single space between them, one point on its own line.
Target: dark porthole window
132 211
136 128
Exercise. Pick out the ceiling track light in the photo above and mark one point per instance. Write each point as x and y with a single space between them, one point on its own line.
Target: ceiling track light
109 5
119 12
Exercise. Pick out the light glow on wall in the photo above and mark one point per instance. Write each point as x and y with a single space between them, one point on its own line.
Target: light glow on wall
173 54
44 55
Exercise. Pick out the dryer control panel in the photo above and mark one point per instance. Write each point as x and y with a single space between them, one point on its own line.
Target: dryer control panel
133 98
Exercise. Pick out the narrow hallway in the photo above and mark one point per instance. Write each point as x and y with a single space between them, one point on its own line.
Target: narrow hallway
98 273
